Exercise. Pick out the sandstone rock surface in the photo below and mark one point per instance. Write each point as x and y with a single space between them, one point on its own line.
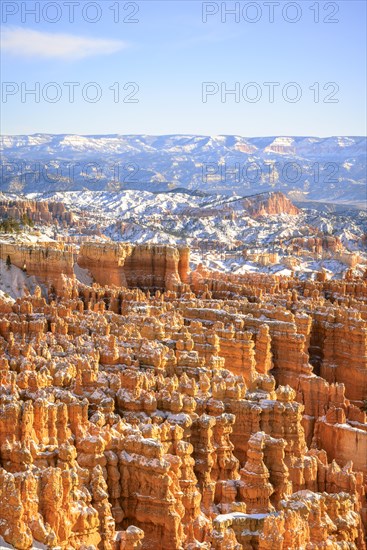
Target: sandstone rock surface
162 409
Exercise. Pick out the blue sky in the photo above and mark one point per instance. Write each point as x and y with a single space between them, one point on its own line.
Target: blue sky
169 53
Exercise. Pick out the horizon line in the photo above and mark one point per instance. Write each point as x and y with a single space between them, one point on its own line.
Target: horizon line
185 135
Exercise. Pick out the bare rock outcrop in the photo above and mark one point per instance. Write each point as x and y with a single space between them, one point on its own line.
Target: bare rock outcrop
164 409
144 266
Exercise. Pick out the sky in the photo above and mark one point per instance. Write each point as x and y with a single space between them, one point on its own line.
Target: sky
168 67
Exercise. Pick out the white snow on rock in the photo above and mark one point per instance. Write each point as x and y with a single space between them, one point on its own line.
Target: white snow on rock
14 282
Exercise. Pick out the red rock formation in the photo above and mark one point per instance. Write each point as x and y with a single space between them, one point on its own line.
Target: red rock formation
146 266
185 418
269 204
48 262
45 212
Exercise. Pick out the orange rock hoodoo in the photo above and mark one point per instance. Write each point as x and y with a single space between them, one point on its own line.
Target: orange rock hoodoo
269 204
219 412
46 212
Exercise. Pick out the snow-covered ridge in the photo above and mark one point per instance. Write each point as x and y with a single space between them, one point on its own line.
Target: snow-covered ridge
227 233
332 169
178 142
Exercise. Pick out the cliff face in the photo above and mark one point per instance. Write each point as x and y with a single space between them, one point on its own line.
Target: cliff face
269 204
150 267
49 261
144 266
184 419
45 212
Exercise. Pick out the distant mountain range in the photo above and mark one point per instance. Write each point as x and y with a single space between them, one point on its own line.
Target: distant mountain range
329 169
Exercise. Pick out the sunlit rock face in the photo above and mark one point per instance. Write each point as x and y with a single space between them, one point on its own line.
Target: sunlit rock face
148 266
45 212
217 412
269 205
49 262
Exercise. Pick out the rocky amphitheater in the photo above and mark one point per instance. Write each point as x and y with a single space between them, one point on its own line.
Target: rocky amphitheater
166 409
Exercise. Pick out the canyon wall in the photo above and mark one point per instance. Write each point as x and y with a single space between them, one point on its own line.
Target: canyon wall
49 261
144 266
45 212
269 204
150 267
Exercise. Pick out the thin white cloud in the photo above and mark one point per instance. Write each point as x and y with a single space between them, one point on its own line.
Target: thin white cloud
30 43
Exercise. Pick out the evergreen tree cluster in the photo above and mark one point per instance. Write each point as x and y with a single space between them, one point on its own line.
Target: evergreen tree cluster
11 225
